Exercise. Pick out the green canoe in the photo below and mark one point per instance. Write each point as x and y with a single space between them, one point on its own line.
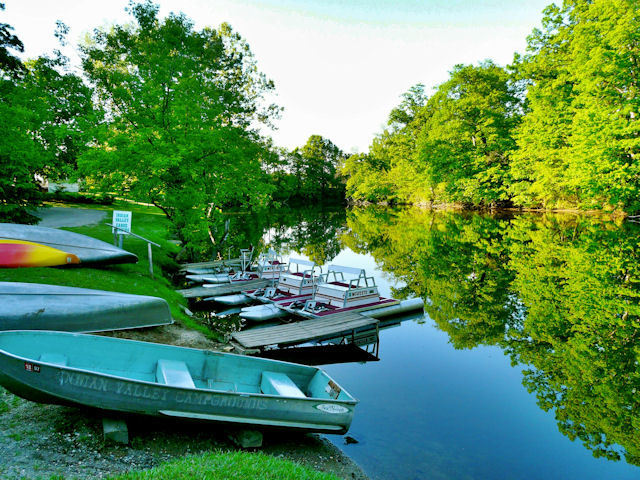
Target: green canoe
147 378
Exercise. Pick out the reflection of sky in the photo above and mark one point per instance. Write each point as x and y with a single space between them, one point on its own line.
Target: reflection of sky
429 411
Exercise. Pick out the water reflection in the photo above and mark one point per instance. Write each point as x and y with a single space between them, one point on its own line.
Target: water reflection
557 293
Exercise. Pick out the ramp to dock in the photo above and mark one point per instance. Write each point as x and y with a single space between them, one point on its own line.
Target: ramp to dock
224 288
304 331
231 262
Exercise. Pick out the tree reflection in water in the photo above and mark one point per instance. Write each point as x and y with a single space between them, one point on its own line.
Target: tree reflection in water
559 294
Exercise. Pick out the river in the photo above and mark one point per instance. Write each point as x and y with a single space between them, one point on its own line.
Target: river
525 363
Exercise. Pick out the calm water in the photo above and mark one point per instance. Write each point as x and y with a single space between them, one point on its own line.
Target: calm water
525 364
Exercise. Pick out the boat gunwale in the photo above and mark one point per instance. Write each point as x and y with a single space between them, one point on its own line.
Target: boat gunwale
352 399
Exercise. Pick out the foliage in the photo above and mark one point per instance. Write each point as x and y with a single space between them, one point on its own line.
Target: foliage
228 465
77 197
44 114
452 147
309 172
183 108
578 143
9 64
557 129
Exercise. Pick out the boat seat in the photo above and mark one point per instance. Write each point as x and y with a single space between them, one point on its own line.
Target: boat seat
274 383
54 358
174 373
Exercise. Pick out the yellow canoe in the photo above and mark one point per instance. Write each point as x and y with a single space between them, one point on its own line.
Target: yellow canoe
20 253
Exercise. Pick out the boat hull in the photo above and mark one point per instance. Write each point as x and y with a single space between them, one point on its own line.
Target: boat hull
87 249
33 306
48 382
238 299
262 313
20 254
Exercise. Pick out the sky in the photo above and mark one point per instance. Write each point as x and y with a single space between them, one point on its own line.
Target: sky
339 66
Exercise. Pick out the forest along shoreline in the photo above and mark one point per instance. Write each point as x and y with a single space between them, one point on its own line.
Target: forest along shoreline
39 440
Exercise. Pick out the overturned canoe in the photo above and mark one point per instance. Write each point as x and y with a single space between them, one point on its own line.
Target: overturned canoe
87 249
161 380
34 306
20 254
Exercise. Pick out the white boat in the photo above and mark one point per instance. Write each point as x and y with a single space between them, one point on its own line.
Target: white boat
270 265
223 273
334 294
294 280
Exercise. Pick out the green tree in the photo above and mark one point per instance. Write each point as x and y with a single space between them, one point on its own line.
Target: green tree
466 137
387 173
321 159
578 143
184 107
44 115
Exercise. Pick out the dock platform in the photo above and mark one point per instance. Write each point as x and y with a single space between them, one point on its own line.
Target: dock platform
230 262
224 288
304 331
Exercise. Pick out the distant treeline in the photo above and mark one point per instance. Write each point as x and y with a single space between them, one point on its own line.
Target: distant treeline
558 128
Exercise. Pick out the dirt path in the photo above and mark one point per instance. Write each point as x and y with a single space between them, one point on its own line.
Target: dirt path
56 217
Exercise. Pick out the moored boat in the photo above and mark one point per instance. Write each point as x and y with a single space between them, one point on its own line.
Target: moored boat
294 282
35 306
20 254
87 249
334 295
161 380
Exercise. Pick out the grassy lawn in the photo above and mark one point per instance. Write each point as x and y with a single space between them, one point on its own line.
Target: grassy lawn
149 222
231 465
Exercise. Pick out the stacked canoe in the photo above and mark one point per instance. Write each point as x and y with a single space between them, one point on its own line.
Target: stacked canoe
29 245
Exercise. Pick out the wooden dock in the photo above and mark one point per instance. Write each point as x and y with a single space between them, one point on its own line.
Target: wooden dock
224 288
230 262
304 330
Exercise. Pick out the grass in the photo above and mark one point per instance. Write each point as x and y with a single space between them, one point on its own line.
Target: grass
148 222
228 465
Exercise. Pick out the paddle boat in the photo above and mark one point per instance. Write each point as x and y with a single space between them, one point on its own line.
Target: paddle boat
20 253
294 282
268 267
167 381
86 249
222 272
35 306
334 295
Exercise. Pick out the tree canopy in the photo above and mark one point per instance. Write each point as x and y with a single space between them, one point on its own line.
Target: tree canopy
556 129
183 108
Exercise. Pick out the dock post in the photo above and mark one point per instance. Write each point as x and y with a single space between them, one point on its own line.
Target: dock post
115 431
246 438
150 260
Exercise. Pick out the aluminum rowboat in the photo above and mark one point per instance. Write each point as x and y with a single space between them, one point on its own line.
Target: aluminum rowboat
162 380
35 306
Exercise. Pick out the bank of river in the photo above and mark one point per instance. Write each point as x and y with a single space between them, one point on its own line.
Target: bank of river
49 441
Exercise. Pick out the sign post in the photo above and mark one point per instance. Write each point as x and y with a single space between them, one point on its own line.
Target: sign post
121 224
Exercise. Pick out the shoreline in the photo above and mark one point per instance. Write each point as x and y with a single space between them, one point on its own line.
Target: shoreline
42 440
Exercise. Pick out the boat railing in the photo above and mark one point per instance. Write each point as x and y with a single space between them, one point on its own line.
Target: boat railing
246 255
